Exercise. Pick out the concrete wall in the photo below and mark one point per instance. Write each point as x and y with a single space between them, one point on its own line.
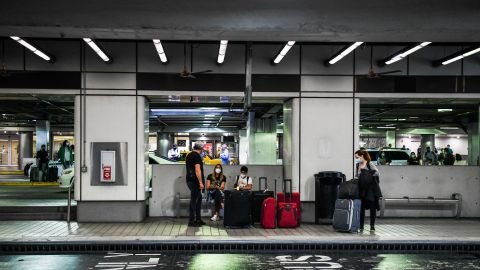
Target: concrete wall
170 179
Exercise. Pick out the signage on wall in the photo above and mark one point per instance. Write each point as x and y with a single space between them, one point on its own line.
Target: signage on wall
182 143
107 173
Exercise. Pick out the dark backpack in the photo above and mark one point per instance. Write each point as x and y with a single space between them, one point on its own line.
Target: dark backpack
349 190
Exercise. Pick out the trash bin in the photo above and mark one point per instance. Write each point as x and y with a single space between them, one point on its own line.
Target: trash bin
326 192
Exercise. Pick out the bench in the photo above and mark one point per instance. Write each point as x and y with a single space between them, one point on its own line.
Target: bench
179 200
455 201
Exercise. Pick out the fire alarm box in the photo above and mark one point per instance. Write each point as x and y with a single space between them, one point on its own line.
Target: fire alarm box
107 168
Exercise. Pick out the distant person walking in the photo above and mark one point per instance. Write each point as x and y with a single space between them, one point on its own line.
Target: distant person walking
65 155
42 158
195 178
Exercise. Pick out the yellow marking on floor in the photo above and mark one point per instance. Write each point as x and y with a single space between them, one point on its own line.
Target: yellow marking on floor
21 184
11 172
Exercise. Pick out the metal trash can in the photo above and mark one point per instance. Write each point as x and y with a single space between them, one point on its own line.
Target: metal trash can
326 192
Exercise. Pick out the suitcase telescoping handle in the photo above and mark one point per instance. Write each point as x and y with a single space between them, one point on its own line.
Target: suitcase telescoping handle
260 183
286 191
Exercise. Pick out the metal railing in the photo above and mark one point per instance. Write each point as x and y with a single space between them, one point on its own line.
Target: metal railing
69 200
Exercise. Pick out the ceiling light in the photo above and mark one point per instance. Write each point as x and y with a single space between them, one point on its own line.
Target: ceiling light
206 124
33 49
402 119
386 127
222 51
160 51
446 128
210 115
97 49
413 117
405 52
283 52
456 56
444 110
344 52
458 137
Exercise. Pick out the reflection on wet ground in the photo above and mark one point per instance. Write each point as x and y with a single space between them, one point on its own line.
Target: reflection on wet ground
272 261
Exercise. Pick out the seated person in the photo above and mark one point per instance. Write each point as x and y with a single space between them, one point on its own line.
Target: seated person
243 182
382 159
215 185
412 160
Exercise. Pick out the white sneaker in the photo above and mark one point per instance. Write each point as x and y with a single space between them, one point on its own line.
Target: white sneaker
214 218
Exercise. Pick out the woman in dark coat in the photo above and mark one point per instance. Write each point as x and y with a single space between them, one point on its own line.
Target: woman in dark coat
369 188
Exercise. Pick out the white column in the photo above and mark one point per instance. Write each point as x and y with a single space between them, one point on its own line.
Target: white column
115 119
326 140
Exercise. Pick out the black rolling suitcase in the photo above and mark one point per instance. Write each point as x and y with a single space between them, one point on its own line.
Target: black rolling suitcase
34 174
257 199
52 175
237 208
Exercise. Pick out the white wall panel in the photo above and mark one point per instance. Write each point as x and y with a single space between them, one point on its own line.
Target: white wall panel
111 80
263 56
421 61
123 54
327 140
66 53
111 119
327 83
436 181
205 58
314 57
149 61
362 60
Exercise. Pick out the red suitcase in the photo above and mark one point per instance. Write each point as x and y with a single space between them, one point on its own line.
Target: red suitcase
287 215
269 213
293 197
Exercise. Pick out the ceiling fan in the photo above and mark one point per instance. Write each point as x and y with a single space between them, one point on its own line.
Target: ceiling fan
185 73
372 74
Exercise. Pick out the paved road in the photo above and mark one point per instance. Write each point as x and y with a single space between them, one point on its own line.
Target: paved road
271 261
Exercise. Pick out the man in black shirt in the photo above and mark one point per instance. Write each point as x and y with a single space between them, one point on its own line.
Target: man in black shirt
42 157
194 165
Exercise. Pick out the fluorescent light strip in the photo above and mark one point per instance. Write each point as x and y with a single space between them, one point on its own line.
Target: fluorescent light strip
222 51
31 48
284 52
345 52
406 53
160 51
456 58
94 46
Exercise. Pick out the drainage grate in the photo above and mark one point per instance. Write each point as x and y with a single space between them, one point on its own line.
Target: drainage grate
239 246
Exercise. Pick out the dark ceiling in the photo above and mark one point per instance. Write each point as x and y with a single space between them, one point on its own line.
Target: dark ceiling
247 20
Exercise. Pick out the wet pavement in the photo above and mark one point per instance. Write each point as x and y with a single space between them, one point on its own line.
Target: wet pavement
272 261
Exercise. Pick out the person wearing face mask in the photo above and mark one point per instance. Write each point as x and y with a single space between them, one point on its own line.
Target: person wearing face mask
369 188
65 155
215 185
244 182
174 153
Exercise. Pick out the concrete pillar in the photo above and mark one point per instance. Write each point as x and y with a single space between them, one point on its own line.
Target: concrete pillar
25 147
42 131
250 136
473 144
111 123
320 143
391 136
164 143
427 140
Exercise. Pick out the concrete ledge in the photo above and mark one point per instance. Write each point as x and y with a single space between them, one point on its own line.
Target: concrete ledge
121 211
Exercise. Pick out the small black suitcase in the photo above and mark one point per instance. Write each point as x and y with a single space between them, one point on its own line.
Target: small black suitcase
237 208
52 174
257 199
34 174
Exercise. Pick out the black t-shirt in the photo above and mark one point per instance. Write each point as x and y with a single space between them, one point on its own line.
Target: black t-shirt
191 160
42 155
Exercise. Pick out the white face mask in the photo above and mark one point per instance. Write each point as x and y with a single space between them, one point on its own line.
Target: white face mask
218 170
243 175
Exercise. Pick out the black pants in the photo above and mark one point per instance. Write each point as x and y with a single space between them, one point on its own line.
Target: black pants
195 201
373 213
218 198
